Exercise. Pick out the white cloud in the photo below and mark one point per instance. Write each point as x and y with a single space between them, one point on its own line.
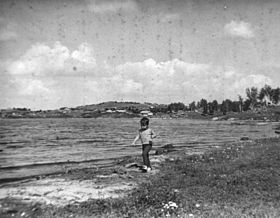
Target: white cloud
82 61
239 29
178 80
111 6
84 54
45 73
43 60
42 69
252 80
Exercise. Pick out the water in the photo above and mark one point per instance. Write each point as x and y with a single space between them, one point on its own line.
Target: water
39 146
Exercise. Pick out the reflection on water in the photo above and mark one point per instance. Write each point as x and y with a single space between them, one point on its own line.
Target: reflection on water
27 142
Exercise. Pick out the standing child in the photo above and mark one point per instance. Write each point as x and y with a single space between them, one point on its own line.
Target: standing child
146 136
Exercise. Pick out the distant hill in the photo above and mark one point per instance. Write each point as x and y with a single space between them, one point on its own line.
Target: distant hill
116 105
118 109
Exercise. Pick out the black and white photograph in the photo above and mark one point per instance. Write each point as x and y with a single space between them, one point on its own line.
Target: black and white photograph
139 108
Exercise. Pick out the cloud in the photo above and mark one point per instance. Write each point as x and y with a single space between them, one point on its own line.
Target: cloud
43 60
256 80
111 6
84 54
40 59
43 77
41 71
239 29
177 80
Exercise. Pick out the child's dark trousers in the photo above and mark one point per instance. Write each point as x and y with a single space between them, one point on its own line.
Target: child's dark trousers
145 154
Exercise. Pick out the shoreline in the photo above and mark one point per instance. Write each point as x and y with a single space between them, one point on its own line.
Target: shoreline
77 187
100 182
63 167
73 186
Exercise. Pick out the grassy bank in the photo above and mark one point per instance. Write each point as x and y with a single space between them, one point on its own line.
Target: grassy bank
240 180
236 180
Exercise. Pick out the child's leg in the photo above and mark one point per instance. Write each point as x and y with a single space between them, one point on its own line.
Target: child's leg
145 154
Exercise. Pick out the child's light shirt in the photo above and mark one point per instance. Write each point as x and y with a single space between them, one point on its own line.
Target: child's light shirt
146 136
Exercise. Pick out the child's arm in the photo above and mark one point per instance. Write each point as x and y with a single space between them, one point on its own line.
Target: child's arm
135 140
154 135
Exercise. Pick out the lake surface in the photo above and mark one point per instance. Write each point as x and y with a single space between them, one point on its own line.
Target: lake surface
39 146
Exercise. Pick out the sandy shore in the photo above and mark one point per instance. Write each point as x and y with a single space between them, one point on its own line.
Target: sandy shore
75 186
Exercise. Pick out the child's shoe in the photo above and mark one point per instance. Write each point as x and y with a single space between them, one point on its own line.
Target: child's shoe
144 167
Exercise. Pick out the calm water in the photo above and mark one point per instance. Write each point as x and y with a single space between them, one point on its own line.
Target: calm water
37 146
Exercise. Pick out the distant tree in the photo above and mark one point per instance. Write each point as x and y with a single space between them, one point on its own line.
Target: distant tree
154 110
192 106
134 110
276 95
266 91
240 100
215 105
262 94
198 104
246 105
224 108
176 107
252 95
210 108
163 109
229 105
159 108
235 106
204 105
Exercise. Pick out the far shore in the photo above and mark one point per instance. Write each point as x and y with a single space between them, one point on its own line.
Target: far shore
231 116
233 180
136 110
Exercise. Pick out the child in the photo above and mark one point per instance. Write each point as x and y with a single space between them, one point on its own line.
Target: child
145 135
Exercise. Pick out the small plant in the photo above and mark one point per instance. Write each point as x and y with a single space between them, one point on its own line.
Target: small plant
169 208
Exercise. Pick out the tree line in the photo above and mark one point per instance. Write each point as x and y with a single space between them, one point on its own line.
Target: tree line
254 98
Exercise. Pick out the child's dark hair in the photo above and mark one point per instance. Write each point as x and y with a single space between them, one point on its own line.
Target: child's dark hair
144 121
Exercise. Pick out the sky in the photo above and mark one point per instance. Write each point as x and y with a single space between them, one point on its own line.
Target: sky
67 53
